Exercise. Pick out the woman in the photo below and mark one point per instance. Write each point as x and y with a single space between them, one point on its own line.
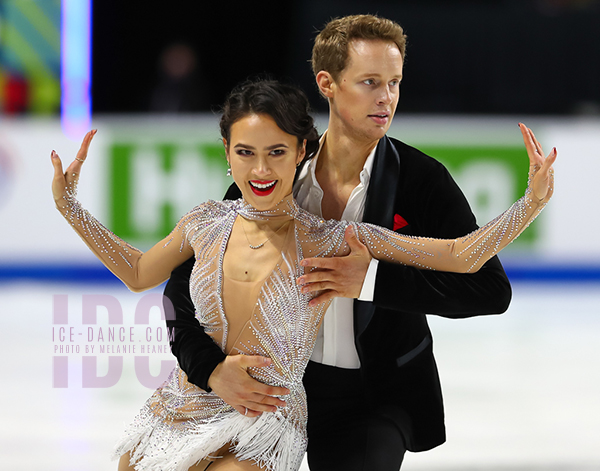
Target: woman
248 299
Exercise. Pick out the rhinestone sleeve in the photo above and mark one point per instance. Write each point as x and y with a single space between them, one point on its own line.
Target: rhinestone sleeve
124 260
462 255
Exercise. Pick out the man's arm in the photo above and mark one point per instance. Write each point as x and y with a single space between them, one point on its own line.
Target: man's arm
450 295
195 351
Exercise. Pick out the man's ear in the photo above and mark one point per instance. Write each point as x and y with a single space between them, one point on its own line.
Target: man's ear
325 82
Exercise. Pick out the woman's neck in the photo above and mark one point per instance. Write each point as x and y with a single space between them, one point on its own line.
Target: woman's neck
284 211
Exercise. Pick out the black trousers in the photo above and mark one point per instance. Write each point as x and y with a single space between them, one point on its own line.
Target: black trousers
349 428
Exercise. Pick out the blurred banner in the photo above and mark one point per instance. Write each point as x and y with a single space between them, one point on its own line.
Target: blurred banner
143 173
30 56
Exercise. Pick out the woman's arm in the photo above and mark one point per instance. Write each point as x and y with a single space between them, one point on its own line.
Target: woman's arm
467 254
139 271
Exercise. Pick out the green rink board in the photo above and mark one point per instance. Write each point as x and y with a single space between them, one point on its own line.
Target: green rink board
513 160
492 177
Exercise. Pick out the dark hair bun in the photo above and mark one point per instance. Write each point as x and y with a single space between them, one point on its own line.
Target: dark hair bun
286 104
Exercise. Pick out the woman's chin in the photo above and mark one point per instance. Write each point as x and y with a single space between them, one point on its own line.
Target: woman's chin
262 203
266 201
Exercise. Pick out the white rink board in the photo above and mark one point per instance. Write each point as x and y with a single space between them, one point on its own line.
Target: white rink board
34 233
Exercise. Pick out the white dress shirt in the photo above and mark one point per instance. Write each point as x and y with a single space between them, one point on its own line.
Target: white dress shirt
335 340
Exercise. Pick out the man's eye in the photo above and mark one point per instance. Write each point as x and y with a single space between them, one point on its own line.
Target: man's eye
394 83
369 82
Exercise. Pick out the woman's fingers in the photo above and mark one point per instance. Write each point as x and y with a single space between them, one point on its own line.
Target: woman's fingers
69 177
57 164
75 166
538 146
529 144
85 145
534 150
58 182
542 184
540 170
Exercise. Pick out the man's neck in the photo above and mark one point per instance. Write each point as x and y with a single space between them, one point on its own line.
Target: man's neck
340 163
342 157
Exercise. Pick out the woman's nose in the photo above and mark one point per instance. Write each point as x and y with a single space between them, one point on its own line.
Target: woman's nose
262 167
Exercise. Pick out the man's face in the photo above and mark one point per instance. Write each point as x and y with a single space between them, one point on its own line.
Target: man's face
366 93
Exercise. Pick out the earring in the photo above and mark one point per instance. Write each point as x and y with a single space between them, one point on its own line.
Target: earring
228 172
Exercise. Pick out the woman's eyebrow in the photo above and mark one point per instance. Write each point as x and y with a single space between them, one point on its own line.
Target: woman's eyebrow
245 146
275 146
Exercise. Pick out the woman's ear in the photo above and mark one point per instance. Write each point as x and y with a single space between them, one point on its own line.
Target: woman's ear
325 83
226 149
226 152
301 154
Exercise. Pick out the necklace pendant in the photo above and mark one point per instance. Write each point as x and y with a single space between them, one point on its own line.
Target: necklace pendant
256 246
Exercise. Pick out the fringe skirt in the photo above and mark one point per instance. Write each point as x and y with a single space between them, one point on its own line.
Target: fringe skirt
181 424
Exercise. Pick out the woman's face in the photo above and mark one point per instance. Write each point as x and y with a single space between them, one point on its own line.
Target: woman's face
263 159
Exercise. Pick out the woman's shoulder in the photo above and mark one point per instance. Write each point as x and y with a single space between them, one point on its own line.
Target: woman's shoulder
313 223
207 214
212 209
324 236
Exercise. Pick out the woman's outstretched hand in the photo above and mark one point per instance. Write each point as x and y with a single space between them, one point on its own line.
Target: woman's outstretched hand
541 173
66 181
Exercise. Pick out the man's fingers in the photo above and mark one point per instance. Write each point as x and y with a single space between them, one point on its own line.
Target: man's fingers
247 361
260 389
323 297
252 413
315 277
318 262
272 390
253 361
352 241
319 286
247 411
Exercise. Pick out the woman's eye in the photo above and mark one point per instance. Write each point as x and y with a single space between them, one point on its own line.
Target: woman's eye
278 152
244 152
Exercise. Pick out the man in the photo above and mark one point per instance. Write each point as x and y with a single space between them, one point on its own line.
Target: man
373 388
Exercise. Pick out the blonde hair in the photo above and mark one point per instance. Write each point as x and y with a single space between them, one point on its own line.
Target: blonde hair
330 52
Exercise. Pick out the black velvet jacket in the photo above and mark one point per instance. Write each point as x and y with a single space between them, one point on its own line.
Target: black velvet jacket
416 194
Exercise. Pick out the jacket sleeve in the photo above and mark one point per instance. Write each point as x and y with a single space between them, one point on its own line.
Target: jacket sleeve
434 206
197 354
452 295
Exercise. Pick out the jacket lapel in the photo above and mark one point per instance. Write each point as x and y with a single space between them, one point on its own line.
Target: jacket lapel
379 209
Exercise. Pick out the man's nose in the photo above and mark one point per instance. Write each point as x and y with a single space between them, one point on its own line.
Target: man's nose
385 97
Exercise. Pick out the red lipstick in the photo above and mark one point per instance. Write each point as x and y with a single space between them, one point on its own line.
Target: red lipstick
262 188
